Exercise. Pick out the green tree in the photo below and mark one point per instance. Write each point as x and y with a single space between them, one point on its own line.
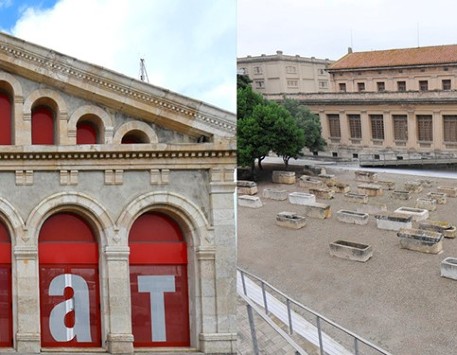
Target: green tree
308 122
247 99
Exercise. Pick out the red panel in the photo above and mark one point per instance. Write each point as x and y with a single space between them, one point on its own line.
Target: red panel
176 307
6 316
5 119
158 253
68 253
66 227
42 125
86 133
155 227
48 303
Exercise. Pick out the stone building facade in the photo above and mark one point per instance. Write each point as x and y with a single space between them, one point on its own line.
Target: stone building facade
285 74
117 222
390 104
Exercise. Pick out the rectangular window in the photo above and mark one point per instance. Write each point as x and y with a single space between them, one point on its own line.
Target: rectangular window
355 126
257 70
292 83
342 87
424 128
323 84
377 126
423 85
401 85
446 84
361 86
381 86
334 126
321 71
259 84
291 69
450 128
400 127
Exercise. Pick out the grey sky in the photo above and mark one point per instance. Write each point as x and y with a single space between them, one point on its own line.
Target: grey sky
326 28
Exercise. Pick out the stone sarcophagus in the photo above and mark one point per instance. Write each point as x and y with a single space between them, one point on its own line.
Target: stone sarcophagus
323 193
418 214
249 201
290 220
393 221
318 210
366 176
450 191
401 195
275 194
328 179
301 198
439 197
309 182
350 250
372 190
283 177
421 240
356 198
426 203
341 187
413 186
352 217
245 187
448 230
449 268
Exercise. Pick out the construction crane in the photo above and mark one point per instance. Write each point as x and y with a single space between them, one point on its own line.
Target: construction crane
143 72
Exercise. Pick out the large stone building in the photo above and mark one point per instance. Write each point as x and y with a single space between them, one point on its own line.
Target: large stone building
117 223
390 104
285 74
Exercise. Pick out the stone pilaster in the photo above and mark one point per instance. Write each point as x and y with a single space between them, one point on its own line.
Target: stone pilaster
120 338
27 306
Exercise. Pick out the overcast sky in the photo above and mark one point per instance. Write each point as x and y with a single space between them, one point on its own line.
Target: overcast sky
326 28
189 46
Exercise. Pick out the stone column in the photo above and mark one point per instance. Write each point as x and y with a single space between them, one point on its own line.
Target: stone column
222 197
22 125
28 338
206 256
119 337
324 125
438 130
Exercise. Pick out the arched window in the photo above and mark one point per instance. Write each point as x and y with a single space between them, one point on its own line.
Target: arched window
135 137
5 119
6 318
43 125
158 282
69 283
86 133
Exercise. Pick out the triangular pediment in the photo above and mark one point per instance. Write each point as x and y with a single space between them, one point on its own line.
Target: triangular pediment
114 91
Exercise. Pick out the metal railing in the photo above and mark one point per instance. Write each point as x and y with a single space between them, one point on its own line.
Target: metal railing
356 340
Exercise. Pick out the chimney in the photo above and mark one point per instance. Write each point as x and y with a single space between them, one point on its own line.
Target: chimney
279 52
349 50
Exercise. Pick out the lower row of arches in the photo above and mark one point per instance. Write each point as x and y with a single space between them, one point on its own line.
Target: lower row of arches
70 282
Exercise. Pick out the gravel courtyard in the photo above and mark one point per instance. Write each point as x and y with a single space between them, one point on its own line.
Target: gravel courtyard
397 299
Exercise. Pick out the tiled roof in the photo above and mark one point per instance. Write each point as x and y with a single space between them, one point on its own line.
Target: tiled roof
398 57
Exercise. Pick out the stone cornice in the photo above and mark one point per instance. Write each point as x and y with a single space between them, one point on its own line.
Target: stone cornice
192 156
372 98
72 75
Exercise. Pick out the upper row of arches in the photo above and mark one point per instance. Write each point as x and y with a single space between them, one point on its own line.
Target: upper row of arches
42 118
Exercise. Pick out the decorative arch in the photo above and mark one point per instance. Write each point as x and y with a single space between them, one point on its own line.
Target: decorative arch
13 82
12 220
45 94
191 219
106 131
135 126
74 202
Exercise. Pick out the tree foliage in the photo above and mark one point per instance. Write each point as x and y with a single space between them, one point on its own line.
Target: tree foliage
308 122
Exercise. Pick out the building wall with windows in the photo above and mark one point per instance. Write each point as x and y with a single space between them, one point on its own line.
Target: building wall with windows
279 73
117 222
390 104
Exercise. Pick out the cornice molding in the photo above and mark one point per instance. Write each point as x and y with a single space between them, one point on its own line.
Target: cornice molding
65 69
